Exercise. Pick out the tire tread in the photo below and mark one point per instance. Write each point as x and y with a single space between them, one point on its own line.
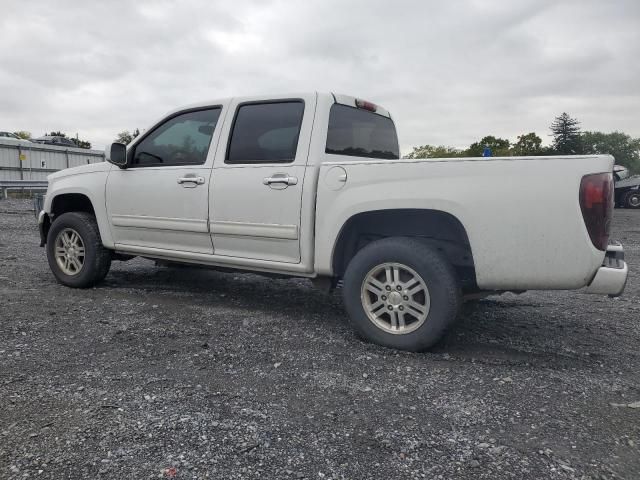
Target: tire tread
100 262
436 271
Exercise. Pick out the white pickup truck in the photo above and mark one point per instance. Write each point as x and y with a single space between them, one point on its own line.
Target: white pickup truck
313 185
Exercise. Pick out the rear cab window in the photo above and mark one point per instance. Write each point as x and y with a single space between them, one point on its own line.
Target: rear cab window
358 132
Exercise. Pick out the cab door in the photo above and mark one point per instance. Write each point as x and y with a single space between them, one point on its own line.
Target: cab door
160 201
258 177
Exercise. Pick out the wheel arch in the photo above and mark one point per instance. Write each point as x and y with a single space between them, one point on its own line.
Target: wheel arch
63 201
437 228
71 202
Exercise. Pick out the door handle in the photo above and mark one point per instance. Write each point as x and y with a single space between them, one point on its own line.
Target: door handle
282 179
190 181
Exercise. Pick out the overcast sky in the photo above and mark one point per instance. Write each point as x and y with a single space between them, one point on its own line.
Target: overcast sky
450 72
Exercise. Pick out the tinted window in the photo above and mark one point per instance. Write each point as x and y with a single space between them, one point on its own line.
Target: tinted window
361 133
181 140
266 133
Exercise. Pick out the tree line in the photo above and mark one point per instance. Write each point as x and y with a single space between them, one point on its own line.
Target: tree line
79 143
567 139
123 137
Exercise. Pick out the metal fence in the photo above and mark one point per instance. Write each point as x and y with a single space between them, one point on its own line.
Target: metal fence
36 161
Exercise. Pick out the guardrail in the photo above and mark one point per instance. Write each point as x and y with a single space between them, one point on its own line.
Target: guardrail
6 185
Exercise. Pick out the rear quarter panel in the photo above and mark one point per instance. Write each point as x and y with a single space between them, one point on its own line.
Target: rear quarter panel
522 214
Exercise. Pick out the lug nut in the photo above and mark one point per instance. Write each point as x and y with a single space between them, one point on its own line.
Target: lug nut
401 307
398 288
388 288
405 298
390 307
384 297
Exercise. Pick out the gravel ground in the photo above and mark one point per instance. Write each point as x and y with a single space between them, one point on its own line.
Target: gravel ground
188 373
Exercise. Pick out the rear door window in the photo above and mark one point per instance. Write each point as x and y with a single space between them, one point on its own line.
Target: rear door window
360 133
266 133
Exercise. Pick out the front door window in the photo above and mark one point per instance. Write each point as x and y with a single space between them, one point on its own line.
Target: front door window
181 140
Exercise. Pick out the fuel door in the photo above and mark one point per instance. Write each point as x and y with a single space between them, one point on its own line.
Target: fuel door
335 178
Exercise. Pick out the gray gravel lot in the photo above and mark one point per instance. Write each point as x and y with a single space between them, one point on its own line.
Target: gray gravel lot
188 373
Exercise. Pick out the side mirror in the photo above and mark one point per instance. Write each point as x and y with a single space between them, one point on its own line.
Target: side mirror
116 153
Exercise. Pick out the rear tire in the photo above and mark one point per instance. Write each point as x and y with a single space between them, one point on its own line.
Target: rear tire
631 199
75 252
401 293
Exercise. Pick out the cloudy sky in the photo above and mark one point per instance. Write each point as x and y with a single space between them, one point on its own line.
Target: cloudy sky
450 72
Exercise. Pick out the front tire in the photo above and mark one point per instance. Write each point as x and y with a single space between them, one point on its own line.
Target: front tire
401 293
75 252
632 199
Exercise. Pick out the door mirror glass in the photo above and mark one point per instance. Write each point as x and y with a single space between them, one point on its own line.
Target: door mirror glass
116 153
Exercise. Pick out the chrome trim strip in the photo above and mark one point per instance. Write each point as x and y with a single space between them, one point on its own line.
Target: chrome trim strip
244 229
160 223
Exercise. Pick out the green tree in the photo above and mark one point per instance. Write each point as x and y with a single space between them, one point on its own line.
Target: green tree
432 151
81 143
499 147
566 135
23 134
127 137
625 150
529 144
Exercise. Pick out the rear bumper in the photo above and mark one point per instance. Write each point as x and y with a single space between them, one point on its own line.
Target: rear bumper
611 277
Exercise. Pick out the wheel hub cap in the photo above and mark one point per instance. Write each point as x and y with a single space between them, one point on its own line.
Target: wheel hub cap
69 251
395 298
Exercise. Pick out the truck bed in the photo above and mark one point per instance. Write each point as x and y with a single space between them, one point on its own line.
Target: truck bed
521 214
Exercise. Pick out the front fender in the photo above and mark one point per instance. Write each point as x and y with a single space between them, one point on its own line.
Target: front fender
92 186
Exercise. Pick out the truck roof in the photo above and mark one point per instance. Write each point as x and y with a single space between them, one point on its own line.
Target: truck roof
349 100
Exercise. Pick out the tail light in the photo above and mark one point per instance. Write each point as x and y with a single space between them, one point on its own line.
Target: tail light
596 203
372 107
